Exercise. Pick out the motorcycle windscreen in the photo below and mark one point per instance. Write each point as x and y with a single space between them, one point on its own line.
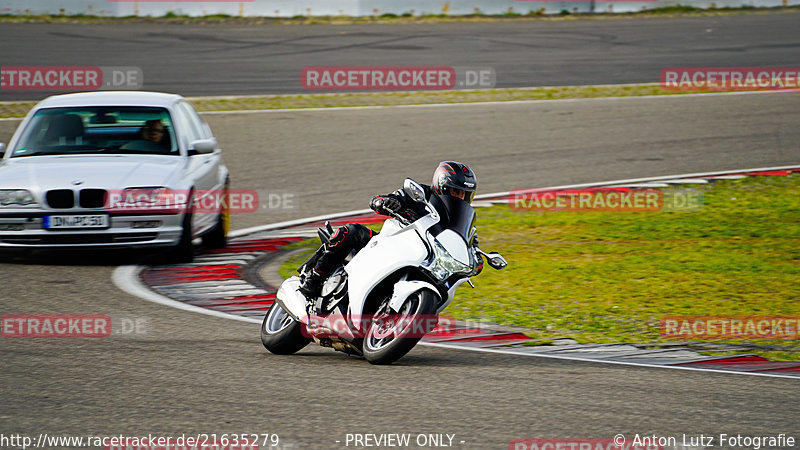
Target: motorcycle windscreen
460 215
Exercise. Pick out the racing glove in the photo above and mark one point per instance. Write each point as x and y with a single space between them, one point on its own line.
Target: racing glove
385 205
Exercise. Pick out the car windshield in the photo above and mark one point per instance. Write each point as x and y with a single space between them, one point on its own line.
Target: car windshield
98 130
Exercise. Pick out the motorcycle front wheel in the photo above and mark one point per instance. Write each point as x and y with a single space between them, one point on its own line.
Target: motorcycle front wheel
280 333
390 336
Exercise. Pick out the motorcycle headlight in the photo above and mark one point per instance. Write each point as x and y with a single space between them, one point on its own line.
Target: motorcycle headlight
443 265
21 197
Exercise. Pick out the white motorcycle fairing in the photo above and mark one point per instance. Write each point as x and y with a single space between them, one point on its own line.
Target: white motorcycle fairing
394 248
291 300
455 245
451 293
403 289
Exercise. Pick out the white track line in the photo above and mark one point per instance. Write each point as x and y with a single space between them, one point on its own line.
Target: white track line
619 363
461 104
498 103
126 278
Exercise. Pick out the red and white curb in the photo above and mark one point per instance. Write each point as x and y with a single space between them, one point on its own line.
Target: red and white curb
216 284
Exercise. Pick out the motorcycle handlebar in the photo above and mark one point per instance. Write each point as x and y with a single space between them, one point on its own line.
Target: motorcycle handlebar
402 219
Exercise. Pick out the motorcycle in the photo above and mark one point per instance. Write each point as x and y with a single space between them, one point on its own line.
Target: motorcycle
381 301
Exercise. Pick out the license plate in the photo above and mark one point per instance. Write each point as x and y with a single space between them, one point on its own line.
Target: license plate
82 222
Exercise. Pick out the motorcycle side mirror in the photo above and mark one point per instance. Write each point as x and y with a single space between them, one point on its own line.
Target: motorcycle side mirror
495 260
414 190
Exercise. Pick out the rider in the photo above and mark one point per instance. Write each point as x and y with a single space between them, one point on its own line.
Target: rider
451 179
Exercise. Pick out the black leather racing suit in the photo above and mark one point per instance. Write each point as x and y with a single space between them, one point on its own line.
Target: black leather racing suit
355 236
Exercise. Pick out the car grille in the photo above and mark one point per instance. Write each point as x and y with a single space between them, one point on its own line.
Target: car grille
79 239
65 198
60 198
92 198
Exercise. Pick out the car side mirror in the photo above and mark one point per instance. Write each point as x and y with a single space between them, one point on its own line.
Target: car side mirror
202 146
2 150
414 190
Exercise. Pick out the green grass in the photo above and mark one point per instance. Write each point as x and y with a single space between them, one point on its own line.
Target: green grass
289 268
611 276
267 102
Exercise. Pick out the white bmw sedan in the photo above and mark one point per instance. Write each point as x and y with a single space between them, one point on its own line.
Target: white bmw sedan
113 169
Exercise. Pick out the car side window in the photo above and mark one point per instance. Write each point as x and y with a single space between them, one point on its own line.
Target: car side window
187 128
196 121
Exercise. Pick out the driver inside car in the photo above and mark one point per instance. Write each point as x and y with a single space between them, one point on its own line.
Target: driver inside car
451 179
152 136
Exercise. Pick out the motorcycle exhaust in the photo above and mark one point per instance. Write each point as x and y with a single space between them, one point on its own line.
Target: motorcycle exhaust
338 345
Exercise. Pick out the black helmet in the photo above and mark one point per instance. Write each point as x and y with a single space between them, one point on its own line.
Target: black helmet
456 180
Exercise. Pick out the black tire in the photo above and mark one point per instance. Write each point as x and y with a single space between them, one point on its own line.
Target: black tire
183 252
280 333
389 350
218 236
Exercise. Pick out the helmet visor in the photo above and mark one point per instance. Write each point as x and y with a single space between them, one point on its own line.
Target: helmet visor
460 194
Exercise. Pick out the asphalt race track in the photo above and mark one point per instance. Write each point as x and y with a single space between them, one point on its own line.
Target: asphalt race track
216 60
336 160
191 373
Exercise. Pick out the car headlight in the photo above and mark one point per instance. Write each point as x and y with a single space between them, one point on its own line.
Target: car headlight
144 196
147 198
444 265
22 197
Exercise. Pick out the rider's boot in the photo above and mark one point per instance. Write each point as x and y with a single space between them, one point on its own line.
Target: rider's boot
312 285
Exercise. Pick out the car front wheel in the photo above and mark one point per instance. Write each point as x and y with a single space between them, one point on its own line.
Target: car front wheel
218 236
183 252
